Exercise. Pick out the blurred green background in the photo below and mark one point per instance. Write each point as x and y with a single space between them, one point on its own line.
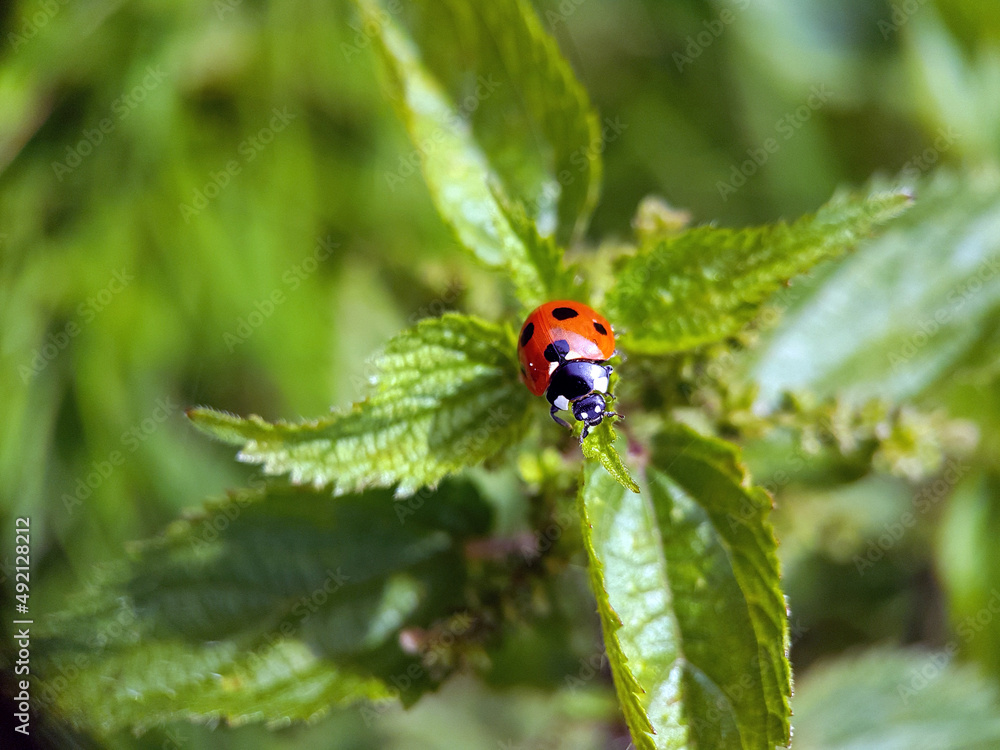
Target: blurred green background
194 209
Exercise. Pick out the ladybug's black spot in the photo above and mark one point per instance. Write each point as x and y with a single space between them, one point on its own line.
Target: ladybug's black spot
600 329
527 333
555 351
564 313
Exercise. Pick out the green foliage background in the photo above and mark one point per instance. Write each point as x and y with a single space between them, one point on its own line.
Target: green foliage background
323 242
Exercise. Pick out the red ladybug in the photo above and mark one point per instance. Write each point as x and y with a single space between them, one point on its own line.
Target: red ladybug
562 348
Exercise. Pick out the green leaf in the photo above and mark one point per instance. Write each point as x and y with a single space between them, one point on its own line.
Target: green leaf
704 285
541 251
889 700
686 579
605 511
600 445
968 563
535 123
485 95
271 605
930 289
446 395
700 489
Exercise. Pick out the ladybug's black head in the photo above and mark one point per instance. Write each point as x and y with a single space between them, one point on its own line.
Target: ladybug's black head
590 409
579 385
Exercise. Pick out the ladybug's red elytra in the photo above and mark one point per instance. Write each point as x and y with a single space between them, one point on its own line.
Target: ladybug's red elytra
562 349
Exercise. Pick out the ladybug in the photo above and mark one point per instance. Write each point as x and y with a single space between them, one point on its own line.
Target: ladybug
562 349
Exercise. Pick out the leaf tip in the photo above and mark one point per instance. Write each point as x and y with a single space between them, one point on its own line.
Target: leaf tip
194 412
200 414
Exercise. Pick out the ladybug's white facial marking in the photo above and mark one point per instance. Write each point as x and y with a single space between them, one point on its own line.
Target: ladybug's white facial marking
601 384
561 402
597 411
589 409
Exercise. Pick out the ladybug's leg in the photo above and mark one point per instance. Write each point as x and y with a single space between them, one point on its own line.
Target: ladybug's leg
612 397
559 420
586 431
